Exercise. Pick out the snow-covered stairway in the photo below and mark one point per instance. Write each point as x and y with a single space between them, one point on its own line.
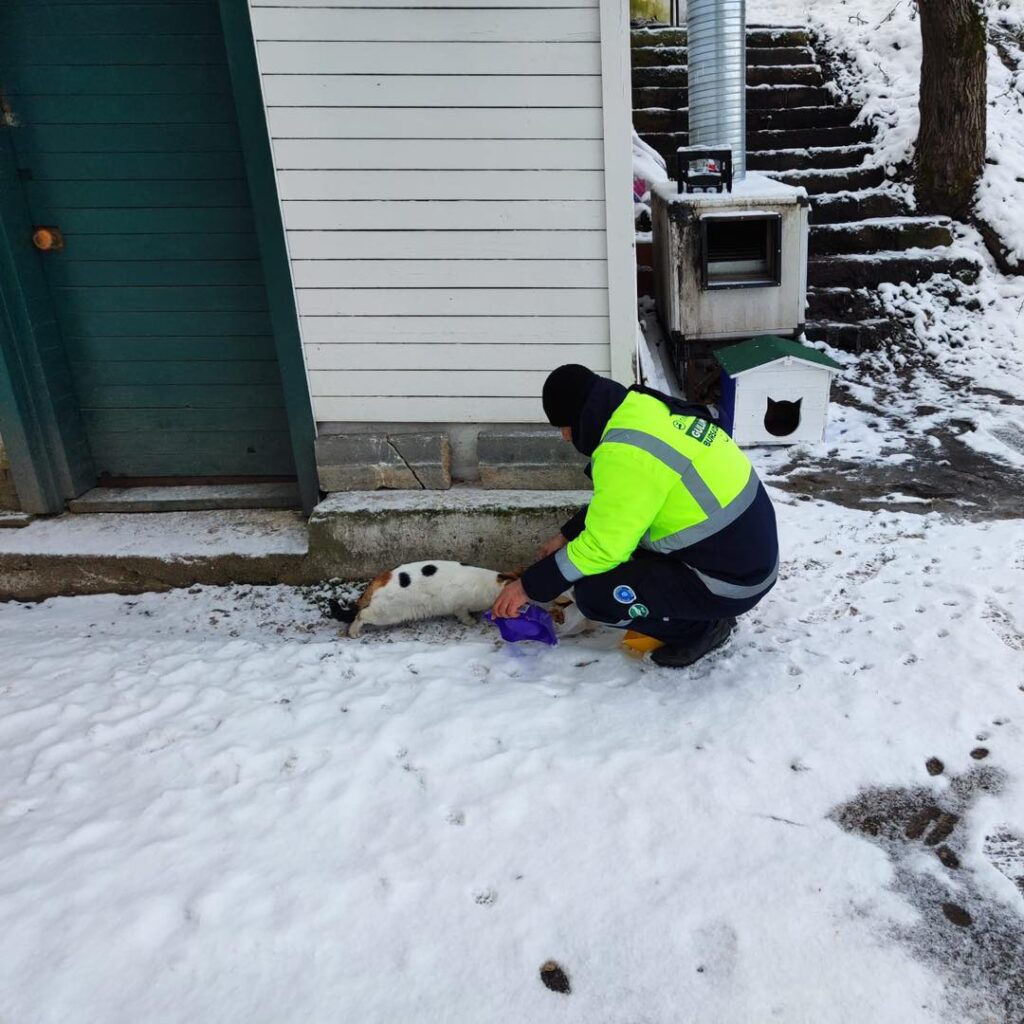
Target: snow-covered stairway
864 232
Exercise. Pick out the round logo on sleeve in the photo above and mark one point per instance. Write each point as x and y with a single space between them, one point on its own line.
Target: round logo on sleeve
624 594
638 611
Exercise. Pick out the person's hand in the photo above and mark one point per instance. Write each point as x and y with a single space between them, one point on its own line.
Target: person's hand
549 547
510 601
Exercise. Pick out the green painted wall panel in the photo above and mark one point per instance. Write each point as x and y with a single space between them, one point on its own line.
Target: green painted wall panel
151 221
159 300
149 248
110 273
134 166
93 376
121 421
30 139
129 80
127 139
163 325
195 396
60 51
100 350
124 110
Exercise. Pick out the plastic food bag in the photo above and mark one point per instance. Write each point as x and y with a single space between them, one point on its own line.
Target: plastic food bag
532 623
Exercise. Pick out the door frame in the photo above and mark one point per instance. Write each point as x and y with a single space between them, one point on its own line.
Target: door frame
40 420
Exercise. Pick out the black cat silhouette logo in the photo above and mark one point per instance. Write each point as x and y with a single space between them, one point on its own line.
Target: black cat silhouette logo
782 418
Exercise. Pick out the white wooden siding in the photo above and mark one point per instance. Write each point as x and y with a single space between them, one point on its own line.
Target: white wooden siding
441 169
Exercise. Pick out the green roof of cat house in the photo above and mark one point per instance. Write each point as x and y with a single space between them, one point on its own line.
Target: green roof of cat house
228 227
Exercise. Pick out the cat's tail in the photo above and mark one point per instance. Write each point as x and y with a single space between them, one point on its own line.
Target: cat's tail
342 612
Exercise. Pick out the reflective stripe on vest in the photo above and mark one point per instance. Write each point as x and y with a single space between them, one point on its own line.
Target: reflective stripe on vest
717 517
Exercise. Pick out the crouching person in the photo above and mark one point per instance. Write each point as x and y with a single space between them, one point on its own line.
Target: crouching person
679 537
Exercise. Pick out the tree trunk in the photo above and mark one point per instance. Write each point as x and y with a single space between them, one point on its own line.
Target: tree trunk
951 138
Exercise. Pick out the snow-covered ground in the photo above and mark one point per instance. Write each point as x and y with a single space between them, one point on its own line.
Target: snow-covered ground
216 809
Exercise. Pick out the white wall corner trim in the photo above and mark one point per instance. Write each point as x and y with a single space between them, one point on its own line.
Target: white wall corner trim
617 102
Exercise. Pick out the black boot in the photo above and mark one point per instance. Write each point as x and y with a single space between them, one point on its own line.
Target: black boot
681 655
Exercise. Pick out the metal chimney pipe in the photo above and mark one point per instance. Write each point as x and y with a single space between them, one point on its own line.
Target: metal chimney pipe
717 77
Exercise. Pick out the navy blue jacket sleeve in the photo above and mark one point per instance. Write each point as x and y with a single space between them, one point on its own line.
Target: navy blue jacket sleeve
574 527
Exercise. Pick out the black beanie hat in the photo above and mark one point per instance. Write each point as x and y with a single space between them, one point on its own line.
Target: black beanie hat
565 392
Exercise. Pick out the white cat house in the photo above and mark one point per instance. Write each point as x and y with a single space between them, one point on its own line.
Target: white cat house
774 391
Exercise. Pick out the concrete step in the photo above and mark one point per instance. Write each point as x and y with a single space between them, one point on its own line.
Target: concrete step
758 36
359 534
840 179
803 159
757 57
880 235
833 116
872 269
677 120
131 553
759 97
842 305
851 206
822 139
854 336
676 76
187 498
779 55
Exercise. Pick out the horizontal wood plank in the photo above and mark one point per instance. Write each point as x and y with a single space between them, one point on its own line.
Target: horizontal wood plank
430 58
192 453
439 154
149 323
112 19
450 409
168 167
131 110
71 195
110 222
30 139
156 248
190 396
446 245
102 350
435 123
122 421
482 5
131 79
172 373
162 299
502 24
53 50
415 91
453 302
413 383
451 186
453 330
472 273
365 356
568 215
155 273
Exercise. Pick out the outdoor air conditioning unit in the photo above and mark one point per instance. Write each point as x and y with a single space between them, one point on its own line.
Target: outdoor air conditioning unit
728 265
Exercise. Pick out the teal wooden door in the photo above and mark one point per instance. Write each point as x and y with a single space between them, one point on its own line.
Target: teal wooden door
126 139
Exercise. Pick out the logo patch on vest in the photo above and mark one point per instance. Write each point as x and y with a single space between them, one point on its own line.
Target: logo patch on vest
624 594
638 611
703 431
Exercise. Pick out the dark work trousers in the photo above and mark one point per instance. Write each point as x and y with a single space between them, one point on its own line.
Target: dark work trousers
658 596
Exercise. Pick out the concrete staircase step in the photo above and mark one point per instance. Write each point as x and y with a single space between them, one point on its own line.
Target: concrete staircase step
869 203
357 534
187 498
839 304
779 55
880 235
856 336
759 97
798 138
802 159
658 57
840 179
676 76
758 36
871 269
835 116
